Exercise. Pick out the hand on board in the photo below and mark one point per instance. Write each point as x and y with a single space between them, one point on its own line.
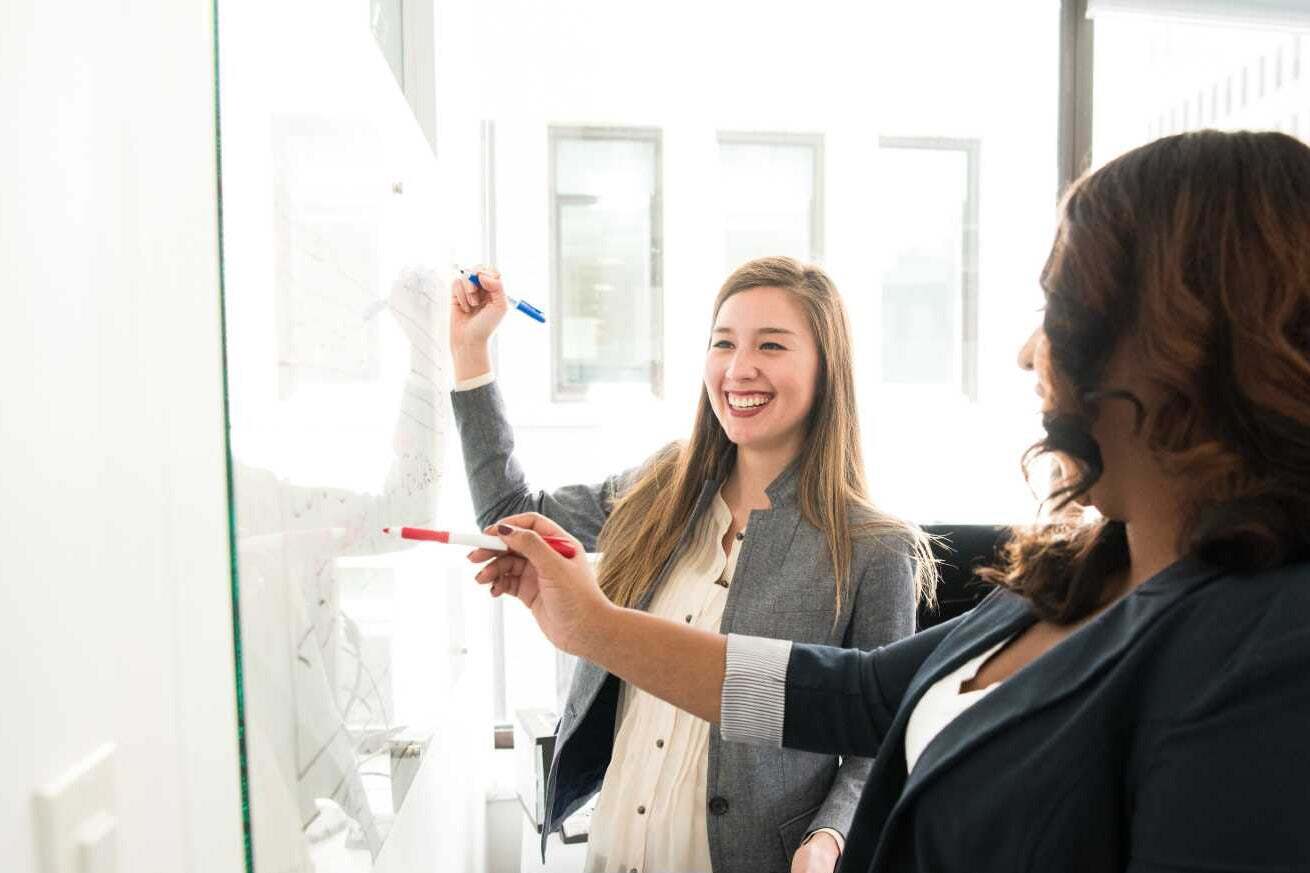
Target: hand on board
474 313
561 592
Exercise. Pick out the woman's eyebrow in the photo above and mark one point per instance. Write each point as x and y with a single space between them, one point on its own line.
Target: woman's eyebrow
763 330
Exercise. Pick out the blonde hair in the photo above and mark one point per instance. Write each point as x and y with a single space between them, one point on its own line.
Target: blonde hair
645 526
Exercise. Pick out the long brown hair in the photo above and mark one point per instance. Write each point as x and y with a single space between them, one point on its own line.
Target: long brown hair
1196 248
643 530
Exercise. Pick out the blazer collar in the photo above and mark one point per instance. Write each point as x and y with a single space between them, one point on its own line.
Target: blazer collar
1062 671
782 490
1000 616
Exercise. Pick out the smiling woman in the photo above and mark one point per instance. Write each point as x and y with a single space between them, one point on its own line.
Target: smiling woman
761 370
772 479
779 362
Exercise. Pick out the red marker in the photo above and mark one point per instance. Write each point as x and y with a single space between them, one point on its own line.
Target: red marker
563 545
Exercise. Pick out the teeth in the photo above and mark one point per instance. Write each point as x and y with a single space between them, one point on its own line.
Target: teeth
747 402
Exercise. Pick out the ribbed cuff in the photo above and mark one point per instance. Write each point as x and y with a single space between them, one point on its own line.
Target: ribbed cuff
475 382
754 690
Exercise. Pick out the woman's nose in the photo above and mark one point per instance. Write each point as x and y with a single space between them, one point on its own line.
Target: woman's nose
1028 352
742 365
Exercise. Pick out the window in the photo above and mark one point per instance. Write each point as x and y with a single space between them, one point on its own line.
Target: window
404 31
930 262
772 187
386 18
609 335
955 226
1155 76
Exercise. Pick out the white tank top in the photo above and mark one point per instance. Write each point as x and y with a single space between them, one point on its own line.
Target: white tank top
942 704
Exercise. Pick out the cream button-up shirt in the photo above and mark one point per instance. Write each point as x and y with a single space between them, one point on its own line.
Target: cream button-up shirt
651 814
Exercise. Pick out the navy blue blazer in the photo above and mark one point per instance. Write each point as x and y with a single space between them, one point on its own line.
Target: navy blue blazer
1169 733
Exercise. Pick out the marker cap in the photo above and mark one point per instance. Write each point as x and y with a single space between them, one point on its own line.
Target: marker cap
530 311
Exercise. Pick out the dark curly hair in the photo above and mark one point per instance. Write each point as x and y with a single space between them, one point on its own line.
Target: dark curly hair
1196 246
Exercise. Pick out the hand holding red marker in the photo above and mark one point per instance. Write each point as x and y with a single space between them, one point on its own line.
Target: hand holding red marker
562 594
563 545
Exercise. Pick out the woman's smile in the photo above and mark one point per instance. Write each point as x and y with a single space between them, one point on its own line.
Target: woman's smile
744 404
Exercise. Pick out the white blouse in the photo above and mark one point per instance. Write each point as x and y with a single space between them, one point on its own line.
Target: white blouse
651 813
942 704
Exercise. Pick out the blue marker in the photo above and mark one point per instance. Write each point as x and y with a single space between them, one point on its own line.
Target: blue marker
521 305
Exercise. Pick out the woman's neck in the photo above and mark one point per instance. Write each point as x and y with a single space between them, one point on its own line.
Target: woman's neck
1154 529
1151 548
752 473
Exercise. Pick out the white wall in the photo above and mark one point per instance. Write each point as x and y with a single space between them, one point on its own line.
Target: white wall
115 601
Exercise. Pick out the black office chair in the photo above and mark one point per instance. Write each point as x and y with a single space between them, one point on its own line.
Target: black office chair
961 549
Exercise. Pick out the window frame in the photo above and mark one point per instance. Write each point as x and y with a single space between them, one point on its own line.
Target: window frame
967 337
782 138
416 77
1077 52
502 725
559 392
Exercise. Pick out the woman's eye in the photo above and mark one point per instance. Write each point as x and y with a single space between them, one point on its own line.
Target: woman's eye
721 344
773 347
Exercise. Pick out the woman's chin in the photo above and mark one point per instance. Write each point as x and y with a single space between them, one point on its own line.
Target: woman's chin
756 441
742 439
753 435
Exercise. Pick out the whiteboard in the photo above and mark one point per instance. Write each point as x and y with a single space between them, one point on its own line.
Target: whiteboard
334 265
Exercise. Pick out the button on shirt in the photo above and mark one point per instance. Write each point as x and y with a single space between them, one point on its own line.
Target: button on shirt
651 815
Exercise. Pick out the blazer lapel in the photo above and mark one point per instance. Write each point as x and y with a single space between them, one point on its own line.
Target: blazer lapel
1001 615
1062 671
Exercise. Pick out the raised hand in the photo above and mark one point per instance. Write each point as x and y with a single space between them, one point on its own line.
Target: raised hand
474 316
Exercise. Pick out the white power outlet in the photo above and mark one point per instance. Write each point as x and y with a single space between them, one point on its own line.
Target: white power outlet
76 827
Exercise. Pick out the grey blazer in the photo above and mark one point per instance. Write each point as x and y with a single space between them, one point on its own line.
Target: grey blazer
761 802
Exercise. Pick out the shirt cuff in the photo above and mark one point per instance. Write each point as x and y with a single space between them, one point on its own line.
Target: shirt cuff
475 382
754 690
835 834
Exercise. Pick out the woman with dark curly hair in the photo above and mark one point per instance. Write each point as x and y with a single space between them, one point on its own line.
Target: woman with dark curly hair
1135 695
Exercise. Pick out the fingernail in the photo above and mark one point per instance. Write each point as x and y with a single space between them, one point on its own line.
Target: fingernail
504 529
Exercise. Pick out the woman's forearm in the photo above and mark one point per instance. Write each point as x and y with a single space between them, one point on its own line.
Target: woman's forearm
676 663
470 361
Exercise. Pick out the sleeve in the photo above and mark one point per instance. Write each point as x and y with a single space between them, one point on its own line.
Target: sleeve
1227 786
842 701
818 698
498 484
474 382
754 690
883 613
